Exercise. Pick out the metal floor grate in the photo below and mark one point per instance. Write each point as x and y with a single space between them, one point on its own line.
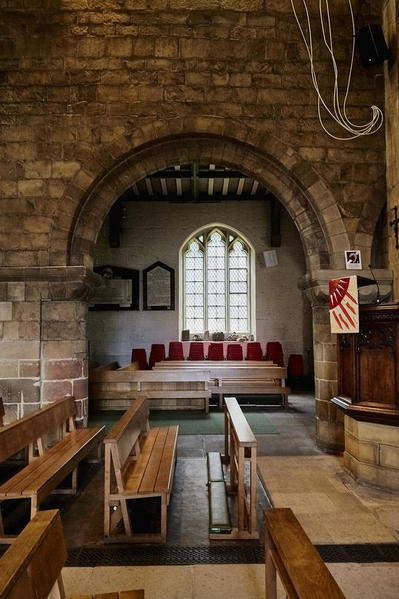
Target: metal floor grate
181 556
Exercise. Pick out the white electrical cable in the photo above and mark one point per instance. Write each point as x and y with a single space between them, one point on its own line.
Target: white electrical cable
337 113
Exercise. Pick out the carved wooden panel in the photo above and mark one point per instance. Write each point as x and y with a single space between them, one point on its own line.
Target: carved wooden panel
369 360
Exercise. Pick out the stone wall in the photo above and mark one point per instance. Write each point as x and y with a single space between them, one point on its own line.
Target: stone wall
87 84
391 19
44 339
156 231
78 76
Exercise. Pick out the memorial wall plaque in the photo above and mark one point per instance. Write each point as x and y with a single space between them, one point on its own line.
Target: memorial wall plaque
159 287
119 289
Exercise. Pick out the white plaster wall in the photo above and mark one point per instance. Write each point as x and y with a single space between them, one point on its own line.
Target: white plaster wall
156 230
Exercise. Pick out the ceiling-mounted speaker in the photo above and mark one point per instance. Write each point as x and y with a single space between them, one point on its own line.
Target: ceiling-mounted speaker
371 45
270 257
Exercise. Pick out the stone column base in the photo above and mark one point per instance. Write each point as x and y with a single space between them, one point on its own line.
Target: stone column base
330 436
372 453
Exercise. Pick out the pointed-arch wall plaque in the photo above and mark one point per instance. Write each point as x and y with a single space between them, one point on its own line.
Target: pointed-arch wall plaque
159 287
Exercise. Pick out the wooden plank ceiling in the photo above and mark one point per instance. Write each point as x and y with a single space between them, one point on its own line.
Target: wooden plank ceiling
197 183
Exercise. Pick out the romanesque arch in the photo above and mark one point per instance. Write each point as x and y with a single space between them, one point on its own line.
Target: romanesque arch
107 173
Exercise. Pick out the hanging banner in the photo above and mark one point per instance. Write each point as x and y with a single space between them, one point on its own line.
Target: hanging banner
344 305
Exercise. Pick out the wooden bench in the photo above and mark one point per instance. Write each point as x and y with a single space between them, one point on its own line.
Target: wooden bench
118 387
252 380
31 567
139 464
47 465
207 364
290 553
244 378
240 449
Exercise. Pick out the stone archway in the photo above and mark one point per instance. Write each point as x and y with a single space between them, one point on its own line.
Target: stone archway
305 196
104 176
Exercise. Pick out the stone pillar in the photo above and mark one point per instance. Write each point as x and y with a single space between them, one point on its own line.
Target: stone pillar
329 419
43 350
63 359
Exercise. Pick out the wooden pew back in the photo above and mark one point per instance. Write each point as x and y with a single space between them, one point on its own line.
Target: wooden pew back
239 423
240 449
210 363
150 376
32 565
19 434
1 411
126 432
289 550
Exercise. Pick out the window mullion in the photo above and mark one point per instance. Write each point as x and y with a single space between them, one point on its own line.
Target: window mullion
205 285
227 291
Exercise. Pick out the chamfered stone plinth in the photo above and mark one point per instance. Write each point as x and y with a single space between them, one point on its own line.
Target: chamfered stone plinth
372 453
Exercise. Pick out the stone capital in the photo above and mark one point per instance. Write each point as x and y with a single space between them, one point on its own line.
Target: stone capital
64 283
315 285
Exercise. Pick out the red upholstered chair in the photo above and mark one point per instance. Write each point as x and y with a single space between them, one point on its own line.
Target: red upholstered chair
274 352
295 365
234 351
176 350
140 356
196 351
215 351
157 353
254 351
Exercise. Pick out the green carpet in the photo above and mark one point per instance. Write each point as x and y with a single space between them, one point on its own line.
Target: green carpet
191 422
197 423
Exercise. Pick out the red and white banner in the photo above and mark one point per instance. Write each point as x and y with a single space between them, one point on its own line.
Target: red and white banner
344 305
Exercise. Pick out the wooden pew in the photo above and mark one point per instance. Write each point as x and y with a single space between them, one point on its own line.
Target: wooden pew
290 553
47 465
139 463
244 378
164 389
240 448
1 412
209 363
31 567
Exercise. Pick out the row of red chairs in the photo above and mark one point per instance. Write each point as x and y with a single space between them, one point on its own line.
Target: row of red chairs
274 352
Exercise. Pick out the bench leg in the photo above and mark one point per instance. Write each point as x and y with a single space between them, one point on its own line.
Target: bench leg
74 481
33 506
1 524
125 516
270 575
164 524
57 592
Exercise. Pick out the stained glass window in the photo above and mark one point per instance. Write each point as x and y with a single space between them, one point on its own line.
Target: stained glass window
216 283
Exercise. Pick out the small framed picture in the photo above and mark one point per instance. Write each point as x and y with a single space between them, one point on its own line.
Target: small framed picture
353 260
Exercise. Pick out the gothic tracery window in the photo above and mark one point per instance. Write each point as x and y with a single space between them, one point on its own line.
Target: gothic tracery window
216 294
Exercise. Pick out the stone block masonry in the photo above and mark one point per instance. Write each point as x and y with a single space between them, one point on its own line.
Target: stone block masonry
78 77
82 84
44 355
372 453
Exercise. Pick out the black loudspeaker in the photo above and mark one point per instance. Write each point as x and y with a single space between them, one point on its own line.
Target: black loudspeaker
371 45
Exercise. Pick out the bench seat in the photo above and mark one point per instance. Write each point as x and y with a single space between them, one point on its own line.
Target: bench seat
48 463
31 568
44 473
150 473
139 463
